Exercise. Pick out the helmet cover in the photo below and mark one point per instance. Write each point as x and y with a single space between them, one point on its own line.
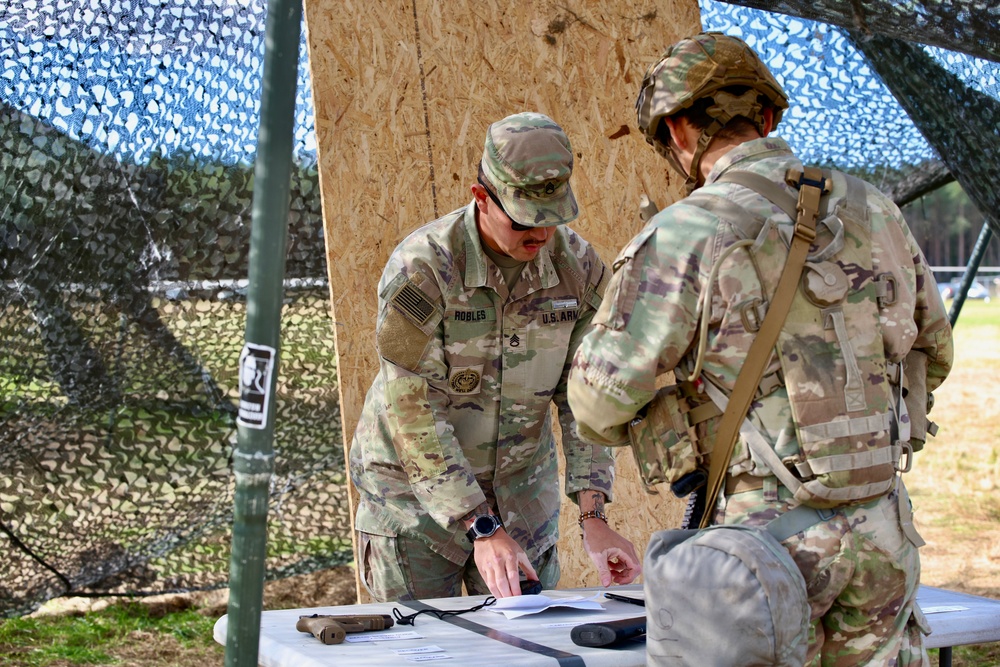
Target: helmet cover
700 67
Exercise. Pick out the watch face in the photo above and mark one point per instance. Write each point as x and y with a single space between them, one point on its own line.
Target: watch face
485 526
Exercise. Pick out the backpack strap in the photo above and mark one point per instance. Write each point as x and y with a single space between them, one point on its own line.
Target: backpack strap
766 188
797 520
747 225
812 185
853 204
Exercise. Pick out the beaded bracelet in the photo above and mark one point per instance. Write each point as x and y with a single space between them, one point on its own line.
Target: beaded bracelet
594 514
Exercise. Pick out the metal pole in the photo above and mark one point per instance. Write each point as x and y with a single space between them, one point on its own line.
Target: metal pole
970 272
253 462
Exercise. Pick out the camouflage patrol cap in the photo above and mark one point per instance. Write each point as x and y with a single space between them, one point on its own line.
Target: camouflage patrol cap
528 160
699 67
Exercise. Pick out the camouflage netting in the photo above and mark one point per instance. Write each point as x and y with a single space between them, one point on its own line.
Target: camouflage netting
949 93
967 26
127 131
908 116
959 121
126 148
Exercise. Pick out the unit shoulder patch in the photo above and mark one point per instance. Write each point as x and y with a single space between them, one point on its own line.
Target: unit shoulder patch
400 341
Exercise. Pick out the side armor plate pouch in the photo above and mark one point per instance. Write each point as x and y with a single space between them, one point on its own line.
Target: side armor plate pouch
725 596
663 448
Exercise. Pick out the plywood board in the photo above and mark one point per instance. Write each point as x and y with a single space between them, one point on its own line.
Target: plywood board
403 94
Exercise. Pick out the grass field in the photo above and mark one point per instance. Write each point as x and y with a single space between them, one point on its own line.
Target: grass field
955 480
954 487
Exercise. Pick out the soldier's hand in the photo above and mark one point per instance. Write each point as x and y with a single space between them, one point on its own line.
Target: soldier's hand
500 559
614 557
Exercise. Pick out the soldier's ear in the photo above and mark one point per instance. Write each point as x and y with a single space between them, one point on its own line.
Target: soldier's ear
768 113
480 195
681 132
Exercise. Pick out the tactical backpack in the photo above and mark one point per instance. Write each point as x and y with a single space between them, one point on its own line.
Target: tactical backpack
839 383
851 422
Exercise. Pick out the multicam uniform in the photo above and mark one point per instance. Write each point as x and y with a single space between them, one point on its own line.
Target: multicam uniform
861 570
459 412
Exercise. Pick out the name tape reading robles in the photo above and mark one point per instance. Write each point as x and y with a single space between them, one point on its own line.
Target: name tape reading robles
256 366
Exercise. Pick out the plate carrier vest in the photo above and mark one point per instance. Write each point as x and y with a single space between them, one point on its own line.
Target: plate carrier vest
843 392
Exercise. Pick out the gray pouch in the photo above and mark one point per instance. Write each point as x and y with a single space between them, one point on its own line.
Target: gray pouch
725 596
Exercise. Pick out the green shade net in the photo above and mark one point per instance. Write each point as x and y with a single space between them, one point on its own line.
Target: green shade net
958 120
956 110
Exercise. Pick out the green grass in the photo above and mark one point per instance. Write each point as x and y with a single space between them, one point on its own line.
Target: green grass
978 313
93 639
980 655
955 481
958 470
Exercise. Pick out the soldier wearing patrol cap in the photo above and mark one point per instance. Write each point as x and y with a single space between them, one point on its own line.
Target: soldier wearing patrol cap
479 313
827 426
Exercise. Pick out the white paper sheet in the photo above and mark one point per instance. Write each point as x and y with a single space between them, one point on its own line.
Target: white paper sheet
522 605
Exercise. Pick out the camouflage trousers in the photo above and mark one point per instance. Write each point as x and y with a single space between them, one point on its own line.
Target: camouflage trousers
862 574
404 568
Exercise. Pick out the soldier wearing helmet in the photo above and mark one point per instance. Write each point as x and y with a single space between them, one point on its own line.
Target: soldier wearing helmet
479 314
865 328
714 82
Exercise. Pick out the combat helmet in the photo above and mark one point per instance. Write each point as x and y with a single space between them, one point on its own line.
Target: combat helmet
700 67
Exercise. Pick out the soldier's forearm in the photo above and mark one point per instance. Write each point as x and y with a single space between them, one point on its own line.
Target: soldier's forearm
591 500
591 507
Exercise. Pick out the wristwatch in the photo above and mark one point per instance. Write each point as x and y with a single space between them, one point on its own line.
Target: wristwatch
484 525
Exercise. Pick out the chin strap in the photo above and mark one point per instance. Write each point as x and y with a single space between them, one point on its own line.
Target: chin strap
725 108
409 619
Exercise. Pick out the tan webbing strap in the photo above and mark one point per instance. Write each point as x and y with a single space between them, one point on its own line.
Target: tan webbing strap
747 225
703 413
766 188
906 517
811 188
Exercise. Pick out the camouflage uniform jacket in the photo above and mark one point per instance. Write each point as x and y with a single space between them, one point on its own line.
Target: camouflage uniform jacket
459 412
648 324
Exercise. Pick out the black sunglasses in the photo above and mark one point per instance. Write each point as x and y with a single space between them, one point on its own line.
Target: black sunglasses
516 226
